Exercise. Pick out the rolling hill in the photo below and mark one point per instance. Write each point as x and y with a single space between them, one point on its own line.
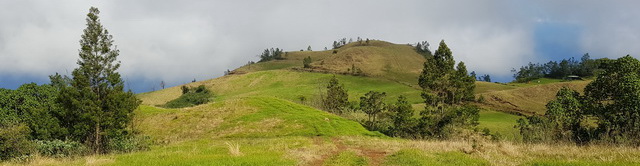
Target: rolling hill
258 117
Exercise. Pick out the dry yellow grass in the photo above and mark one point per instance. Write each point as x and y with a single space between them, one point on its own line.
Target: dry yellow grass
527 100
504 152
234 148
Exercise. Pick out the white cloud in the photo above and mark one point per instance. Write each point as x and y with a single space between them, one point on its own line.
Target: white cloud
177 41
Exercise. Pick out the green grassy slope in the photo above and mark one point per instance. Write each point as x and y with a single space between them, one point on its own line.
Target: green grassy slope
286 84
246 117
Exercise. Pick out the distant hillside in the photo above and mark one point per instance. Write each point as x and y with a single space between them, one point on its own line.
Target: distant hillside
527 100
396 62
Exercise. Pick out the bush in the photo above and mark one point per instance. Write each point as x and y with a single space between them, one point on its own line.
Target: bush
129 144
191 97
59 148
14 141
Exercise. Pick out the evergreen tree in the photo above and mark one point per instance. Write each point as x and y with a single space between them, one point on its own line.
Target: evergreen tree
337 97
372 103
444 89
402 117
97 107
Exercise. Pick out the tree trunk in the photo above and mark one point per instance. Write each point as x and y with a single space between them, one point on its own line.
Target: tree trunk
97 138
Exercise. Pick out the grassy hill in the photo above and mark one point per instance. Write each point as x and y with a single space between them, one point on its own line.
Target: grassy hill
395 62
257 117
527 99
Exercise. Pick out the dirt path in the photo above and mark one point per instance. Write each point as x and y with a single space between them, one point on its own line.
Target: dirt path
375 156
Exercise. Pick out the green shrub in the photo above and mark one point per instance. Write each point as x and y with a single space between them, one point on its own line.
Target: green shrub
59 148
14 141
191 97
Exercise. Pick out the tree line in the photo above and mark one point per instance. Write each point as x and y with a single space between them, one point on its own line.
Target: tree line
87 113
271 54
586 67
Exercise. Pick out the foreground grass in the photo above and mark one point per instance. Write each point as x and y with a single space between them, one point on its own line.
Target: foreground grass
357 150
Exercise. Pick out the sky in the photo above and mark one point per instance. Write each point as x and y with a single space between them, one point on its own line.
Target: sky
176 41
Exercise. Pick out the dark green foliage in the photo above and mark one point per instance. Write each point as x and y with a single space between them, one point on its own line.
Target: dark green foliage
372 103
34 105
306 62
558 70
309 48
96 107
441 124
191 97
337 98
614 98
444 89
184 89
271 54
423 49
58 148
612 101
14 141
402 117
485 78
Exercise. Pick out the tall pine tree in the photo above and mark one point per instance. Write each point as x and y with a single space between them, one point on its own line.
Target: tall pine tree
97 108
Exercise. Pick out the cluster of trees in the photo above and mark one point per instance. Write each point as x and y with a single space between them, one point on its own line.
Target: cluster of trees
612 102
271 54
485 78
191 97
446 91
339 43
585 67
423 49
91 108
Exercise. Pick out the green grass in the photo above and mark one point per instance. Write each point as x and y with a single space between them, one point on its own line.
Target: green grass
483 87
409 157
540 81
290 85
500 123
214 152
346 158
276 117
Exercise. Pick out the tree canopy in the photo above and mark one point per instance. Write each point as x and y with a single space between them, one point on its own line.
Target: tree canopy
96 107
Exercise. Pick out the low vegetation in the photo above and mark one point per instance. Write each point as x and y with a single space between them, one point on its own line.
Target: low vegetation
190 97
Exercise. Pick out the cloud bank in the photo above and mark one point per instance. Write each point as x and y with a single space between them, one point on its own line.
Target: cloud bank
177 41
